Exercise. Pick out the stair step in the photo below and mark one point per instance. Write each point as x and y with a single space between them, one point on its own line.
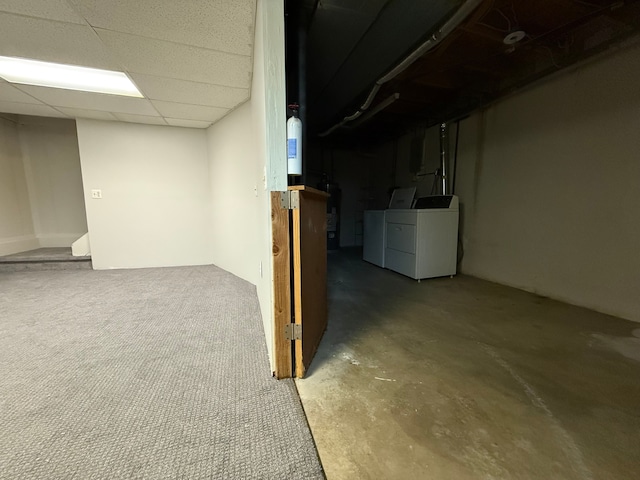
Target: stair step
39 266
44 259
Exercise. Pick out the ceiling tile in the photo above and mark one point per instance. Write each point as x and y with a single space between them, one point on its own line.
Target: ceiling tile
195 93
126 117
34 120
225 25
191 112
9 93
52 41
187 123
29 109
173 60
82 113
51 9
90 101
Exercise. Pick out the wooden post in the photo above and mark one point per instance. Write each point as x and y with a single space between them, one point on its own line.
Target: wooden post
281 286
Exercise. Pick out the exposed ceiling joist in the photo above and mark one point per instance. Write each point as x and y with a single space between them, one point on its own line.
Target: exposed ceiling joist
504 45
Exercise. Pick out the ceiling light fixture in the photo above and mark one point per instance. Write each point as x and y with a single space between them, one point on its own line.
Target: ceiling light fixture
69 77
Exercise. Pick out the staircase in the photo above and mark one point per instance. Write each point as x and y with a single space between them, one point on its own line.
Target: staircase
44 259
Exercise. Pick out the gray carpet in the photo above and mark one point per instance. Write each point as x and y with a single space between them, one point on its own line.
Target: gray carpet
154 373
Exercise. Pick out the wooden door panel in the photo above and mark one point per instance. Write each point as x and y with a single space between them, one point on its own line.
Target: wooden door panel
309 273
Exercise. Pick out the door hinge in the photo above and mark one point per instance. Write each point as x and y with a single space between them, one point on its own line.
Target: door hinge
290 200
293 331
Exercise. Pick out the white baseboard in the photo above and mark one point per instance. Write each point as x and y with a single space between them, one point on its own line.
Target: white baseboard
50 240
81 247
11 245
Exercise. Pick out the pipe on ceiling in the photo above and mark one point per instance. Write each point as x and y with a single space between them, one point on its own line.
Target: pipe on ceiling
456 19
377 109
444 157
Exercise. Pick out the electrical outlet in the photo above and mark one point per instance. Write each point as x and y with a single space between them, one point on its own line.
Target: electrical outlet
95 193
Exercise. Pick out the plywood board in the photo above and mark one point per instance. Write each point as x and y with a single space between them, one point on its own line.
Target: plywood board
309 273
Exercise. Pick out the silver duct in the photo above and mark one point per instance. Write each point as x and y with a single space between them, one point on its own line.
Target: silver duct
444 156
456 19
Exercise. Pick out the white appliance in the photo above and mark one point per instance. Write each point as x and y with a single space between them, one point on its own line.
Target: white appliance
402 198
374 237
423 242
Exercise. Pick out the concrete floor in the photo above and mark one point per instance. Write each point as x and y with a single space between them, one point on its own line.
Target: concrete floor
466 379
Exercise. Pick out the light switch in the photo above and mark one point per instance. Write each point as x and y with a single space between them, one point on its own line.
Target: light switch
95 193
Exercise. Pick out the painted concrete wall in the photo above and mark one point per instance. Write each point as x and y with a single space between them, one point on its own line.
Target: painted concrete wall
247 161
422 180
549 181
156 198
364 177
351 174
52 166
16 224
367 172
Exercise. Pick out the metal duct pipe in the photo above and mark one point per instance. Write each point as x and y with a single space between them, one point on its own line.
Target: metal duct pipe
302 89
378 108
444 156
456 19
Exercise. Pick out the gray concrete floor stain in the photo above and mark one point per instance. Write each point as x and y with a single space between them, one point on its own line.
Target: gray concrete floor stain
627 346
466 379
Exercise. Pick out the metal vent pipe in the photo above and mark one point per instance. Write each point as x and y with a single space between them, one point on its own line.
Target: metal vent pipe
444 156
456 19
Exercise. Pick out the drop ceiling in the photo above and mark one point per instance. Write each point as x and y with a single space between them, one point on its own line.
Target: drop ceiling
192 60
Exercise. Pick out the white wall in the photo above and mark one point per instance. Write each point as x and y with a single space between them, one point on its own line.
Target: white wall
235 178
156 198
549 181
248 160
52 166
41 199
16 224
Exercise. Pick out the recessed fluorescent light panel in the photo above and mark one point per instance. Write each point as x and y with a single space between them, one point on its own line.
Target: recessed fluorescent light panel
69 77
